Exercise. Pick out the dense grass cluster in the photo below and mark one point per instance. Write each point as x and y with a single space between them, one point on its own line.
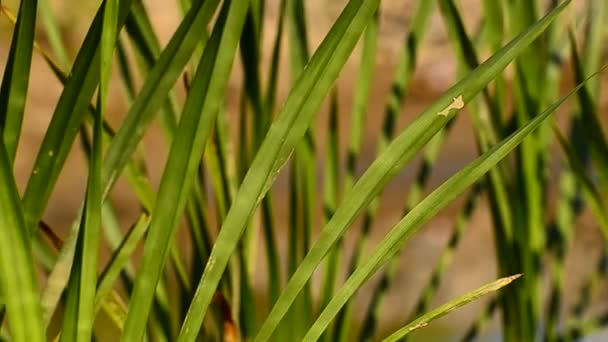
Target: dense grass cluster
216 185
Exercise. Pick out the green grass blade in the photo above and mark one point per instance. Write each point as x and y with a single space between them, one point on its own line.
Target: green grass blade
429 158
400 151
60 274
158 83
194 129
283 135
146 45
18 280
408 59
359 112
268 223
120 258
68 115
298 36
452 305
79 311
331 186
108 41
569 198
272 82
419 215
597 12
250 52
301 175
53 32
301 215
83 278
461 225
15 80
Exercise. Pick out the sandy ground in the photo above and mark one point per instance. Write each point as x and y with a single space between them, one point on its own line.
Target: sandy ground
473 262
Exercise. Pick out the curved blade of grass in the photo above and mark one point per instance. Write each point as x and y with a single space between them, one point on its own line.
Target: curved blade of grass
301 217
18 277
301 176
267 101
298 36
452 305
488 115
158 83
53 33
80 291
399 89
58 278
146 45
195 126
78 91
68 115
423 175
250 45
268 224
461 225
60 274
423 212
11 116
569 204
210 10
80 307
19 286
331 184
399 152
359 112
283 135
147 49
56 68
16 77
272 83
120 259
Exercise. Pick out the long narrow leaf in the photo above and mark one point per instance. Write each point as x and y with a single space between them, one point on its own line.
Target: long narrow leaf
195 126
288 129
80 311
450 306
419 215
68 115
13 90
18 280
158 83
401 150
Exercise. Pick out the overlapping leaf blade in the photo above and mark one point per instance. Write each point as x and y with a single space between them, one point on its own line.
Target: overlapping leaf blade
450 306
290 126
401 150
197 120
424 211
